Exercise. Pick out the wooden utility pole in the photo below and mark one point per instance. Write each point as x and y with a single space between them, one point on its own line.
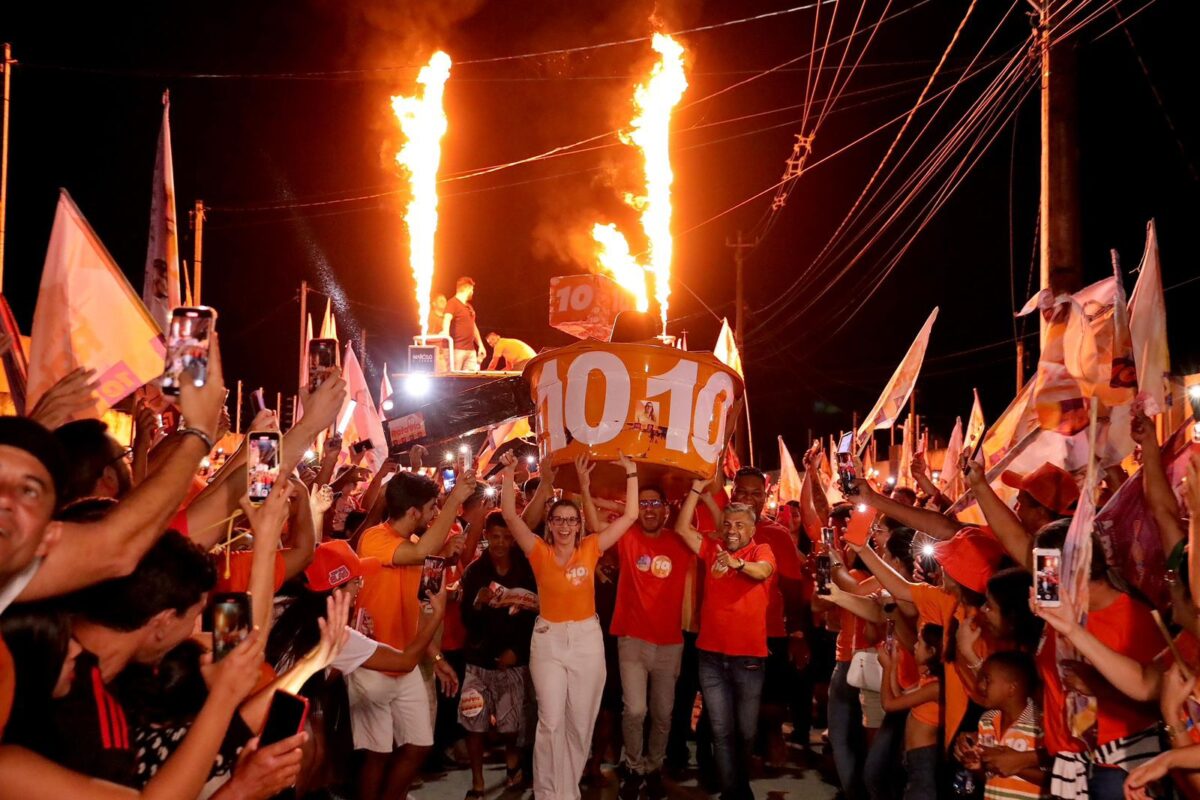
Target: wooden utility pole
198 253
1061 245
238 416
303 334
7 66
742 444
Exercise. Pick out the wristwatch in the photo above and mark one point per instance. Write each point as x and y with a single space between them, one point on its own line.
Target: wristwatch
438 657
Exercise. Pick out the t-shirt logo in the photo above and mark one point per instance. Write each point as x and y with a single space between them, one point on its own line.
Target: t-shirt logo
577 575
660 567
643 563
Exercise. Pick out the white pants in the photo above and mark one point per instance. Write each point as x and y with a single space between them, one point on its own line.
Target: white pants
566 661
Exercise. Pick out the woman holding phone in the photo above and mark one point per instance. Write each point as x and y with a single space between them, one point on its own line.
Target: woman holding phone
566 657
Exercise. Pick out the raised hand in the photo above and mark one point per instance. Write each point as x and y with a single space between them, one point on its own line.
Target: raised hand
72 395
266 771
322 405
201 406
235 676
583 468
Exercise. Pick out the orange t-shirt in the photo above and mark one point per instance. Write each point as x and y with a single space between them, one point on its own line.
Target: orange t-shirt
240 564
1126 627
390 595
852 633
8 684
567 592
930 713
937 607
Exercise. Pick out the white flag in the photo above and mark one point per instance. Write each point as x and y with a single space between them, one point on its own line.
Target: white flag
385 392
87 315
975 427
364 420
160 287
1148 329
726 349
895 394
951 471
789 478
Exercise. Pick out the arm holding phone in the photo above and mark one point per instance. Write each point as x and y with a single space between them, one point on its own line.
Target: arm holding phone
896 584
939 526
410 554
389 659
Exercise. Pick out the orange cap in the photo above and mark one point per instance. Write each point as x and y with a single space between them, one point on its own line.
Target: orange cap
1050 485
970 557
334 563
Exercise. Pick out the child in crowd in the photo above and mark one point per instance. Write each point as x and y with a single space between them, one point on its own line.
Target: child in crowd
924 710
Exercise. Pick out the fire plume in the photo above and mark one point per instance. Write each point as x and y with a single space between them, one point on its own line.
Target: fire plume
423 122
615 258
650 131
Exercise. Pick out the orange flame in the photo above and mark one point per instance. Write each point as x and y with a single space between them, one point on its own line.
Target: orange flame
650 132
614 256
423 122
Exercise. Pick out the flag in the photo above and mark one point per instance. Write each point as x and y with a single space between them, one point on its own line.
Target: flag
329 323
87 315
975 427
904 468
949 478
1148 329
789 478
160 286
895 394
731 463
364 420
726 349
499 436
385 393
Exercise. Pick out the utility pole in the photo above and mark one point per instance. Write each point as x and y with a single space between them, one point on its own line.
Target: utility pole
198 243
303 333
1061 245
741 434
8 65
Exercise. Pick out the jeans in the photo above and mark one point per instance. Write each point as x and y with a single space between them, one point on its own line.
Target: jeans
846 732
732 688
466 360
1107 783
921 765
884 758
566 661
655 666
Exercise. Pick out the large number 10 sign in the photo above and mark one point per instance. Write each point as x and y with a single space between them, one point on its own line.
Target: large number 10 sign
656 404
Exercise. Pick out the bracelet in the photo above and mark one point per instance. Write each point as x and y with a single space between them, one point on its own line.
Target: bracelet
199 434
629 475
696 491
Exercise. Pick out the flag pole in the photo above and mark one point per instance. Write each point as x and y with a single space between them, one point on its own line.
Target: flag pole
198 244
9 61
303 331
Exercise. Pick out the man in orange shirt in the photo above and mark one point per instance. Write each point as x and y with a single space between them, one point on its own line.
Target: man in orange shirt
391 715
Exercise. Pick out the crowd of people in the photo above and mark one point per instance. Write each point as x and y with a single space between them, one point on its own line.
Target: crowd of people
567 630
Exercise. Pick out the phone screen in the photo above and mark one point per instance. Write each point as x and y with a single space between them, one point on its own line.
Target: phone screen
322 361
231 621
448 479
1047 575
285 718
187 347
846 445
824 571
432 572
262 464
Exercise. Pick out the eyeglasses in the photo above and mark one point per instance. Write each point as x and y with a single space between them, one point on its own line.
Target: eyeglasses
650 504
123 455
556 520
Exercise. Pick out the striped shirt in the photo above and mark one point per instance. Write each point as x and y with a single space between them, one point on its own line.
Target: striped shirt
1024 736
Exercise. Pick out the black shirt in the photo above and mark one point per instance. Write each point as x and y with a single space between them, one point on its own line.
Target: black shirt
91 730
462 323
491 631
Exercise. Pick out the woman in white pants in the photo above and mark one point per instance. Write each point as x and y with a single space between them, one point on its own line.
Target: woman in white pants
566 658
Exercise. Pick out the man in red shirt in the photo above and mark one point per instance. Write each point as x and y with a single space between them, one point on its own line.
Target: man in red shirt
648 622
738 577
788 616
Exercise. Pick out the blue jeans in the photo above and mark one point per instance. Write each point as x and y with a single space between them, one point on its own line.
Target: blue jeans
732 688
846 737
1107 783
884 758
921 765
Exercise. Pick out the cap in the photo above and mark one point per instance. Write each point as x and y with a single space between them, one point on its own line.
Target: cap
970 558
1050 485
25 434
334 563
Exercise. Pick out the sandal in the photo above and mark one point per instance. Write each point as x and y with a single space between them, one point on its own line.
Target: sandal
474 794
514 778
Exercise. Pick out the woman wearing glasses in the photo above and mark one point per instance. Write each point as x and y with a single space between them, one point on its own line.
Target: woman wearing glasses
566 657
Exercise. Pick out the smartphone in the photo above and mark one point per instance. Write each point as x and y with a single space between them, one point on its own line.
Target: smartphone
230 621
285 717
827 538
262 464
448 479
890 636
1047 575
845 464
432 572
323 361
360 447
464 461
188 338
824 572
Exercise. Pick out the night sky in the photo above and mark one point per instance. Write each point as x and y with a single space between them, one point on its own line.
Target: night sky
277 104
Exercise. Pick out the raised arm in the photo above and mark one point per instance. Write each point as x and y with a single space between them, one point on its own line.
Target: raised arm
389 659
413 554
817 489
111 547
939 526
859 606
683 523
889 579
535 507
617 528
303 529
267 523
583 469
999 516
526 539
1156 486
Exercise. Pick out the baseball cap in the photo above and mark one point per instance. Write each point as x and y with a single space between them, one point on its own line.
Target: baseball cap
23 433
334 563
970 557
1050 485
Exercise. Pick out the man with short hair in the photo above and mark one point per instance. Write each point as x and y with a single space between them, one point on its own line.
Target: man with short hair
96 461
738 573
514 352
391 715
648 621
459 324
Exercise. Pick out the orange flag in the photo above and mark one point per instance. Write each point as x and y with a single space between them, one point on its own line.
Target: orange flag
789 477
1148 329
895 394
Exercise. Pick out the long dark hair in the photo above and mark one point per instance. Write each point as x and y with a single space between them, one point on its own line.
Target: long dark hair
296 630
1009 588
38 635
